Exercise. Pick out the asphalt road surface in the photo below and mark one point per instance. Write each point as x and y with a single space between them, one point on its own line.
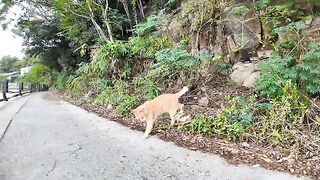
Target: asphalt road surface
51 139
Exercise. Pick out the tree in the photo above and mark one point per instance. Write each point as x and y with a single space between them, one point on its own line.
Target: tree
40 74
7 64
98 12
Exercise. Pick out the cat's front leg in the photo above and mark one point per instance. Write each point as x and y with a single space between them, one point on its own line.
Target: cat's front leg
148 128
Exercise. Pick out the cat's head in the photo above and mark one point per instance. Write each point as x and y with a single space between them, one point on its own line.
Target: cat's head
139 113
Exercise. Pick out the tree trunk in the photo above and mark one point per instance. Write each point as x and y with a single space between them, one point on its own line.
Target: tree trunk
141 8
109 29
98 29
96 25
104 9
125 5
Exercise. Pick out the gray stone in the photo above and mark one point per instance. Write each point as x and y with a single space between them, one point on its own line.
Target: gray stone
264 54
204 101
311 34
241 72
246 31
249 81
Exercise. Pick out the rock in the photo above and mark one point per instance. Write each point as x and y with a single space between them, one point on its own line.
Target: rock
311 33
243 35
246 31
244 74
256 166
245 144
249 82
231 45
204 101
309 29
264 54
303 5
241 72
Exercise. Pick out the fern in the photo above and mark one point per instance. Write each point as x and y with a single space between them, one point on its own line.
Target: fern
179 59
309 71
149 25
278 71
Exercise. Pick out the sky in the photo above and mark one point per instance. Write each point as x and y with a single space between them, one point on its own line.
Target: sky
11 44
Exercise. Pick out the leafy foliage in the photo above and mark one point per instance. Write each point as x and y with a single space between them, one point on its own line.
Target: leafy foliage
278 71
7 64
145 28
40 74
231 121
111 60
178 59
148 46
275 73
309 71
118 97
281 124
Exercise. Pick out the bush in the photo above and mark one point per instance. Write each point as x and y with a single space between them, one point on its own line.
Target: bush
118 97
40 74
275 73
61 82
230 122
282 123
145 28
2 77
278 71
112 60
148 46
179 59
145 88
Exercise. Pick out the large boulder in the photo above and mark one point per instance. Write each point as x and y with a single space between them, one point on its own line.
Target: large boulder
309 29
243 34
311 33
245 30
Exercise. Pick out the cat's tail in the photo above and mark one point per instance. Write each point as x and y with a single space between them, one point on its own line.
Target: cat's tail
183 90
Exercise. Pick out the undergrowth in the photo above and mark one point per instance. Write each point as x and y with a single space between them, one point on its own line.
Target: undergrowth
275 116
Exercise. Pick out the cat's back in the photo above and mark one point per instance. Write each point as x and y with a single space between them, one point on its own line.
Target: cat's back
166 100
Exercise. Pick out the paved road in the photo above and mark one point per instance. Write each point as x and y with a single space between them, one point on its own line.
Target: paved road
51 139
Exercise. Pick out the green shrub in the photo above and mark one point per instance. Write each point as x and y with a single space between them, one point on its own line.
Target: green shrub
178 59
145 28
240 10
282 123
118 97
145 88
309 71
275 73
278 71
61 82
40 74
230 122
78 86
148 46
112 60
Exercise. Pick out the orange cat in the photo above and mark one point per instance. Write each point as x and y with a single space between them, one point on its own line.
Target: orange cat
165 103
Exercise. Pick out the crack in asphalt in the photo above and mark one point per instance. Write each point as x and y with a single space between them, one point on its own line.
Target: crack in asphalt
15 114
